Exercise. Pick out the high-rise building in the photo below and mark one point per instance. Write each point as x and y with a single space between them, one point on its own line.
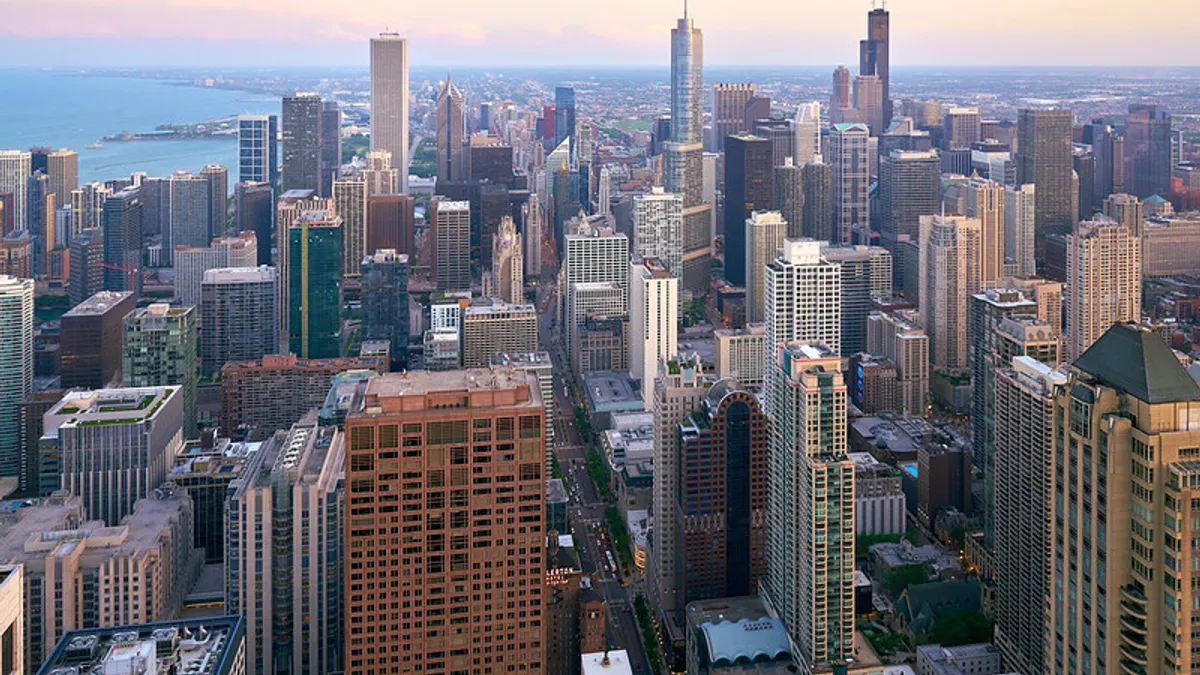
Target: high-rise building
1147 151
62 166
254 208
817 222
683 160
841 107
239 311
301 131
1084 164
385 301
389 100
866 276
1104 282
191 263
121 225
15 168
910 186
739 354
450 153
381 178
749 184
434 414
729 106
16 364
161 350
331 142
657 218
949 276
1020 222
189 222
722 520
284 552
653 322
86 257
87 203
316 242
851 179
258 148
808 133
874 57
391 220
1126 210
679 388
986 201
803 298
533 217
508 263
810 505
868 101
961 127
450 233
781 133
765 232
488 330
115 446
1044 158
564 118
898 337
789 196
350 201
592 256
90 340
1128 403
217 177
40 214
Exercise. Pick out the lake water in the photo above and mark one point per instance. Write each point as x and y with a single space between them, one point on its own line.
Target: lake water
60 109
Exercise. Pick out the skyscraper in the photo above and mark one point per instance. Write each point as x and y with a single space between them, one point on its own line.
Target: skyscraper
302 122
840 103
803 298
450 165
765 232
849 156
789 196
450 233
508 262
657 219
189 221
381 178
15 167
986 201
90 340
459 551
254 204
910 186
949 276
239 310
331 142
874 57
62 166
191 263
385 301
866 276
653 322
16 365
683 160
1128 402
729 107
1044 159
121 223
350 200
564 118
810 505
389 100
1147 151
258 148
817 179
285 551
749 187
161 350
1020 218
497 328
1104 282
115 445
591 256
808 133
868 101
315 243
961 127
1126 210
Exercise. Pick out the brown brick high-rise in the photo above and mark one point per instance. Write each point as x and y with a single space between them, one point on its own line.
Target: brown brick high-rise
445 527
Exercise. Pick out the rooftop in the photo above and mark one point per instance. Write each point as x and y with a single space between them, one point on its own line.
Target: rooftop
497 307
239 275
1140 363
522 360
106 406
208 646
614 662
422 382
385 255
737 632
99 303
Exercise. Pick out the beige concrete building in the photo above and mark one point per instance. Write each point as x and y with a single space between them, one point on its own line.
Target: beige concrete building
1126 210
508 263
350 202
949 275
986 202
491 329
1104 282
1171 247
739 354
1124 487
898 337
191 263
450 235
1048 295
389 100
12 618
765 232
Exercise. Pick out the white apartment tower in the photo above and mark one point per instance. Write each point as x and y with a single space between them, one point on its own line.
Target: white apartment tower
653 322
1019 229
808 134
14 169
657 220
592 255
803 298
350 202
16 365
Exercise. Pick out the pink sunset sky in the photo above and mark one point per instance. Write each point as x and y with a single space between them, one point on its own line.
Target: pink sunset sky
579 32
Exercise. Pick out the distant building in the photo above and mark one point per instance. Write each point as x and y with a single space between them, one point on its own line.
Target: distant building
848 155
450 236
301 143
1044 158
496 328
749 187
258 148
389 100
91 340
238 311
16 365
192 262
161 349
181 646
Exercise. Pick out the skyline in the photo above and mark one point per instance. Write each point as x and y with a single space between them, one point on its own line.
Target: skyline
309 33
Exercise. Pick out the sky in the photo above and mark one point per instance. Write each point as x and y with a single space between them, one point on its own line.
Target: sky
590 32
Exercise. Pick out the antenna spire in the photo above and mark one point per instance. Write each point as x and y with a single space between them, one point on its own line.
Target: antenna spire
685 3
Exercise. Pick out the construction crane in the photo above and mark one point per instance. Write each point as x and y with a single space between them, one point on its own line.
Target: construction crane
131 272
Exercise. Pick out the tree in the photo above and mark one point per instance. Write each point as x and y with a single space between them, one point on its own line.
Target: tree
901 578
961 628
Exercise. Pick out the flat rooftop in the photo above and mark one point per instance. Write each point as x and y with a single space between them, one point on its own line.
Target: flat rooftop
421 382
239 275
107 406
522 360
606 387
613 662
208 646
99 303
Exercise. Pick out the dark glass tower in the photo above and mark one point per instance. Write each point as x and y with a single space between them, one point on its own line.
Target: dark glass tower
749 184
385 302
1148 151
121 224
302 121
564 116
873 56
315 286
1044 158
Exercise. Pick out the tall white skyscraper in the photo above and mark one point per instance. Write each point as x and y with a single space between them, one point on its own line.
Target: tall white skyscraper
604 192
808 134
986 201
592 255
16 365
683 157
1020 210
14 169
657 220
810 505
1104 282
803 298
653 322
389 100
765 233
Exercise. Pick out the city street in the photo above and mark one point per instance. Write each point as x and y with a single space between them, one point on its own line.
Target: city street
586 512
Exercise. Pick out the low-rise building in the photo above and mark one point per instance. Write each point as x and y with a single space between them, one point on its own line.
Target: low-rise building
208 646
879 506
736 636
976 659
